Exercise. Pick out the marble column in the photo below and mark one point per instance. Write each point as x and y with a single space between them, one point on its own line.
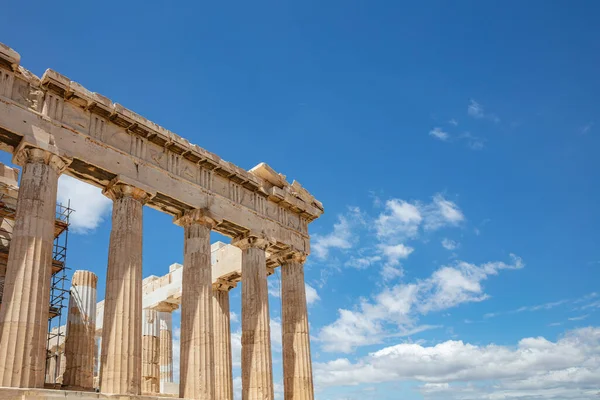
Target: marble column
222 329
150 352
26 297
297 365
257 368
121 355
197 366
165 318
80 343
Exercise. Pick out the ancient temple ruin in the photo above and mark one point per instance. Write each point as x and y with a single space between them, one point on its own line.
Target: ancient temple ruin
55 126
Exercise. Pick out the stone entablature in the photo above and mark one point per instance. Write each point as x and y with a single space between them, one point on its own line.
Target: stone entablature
106 143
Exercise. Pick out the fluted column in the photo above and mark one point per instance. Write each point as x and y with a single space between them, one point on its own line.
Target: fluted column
197 366
223 357
121 355
257 369
26 297
80 343
165 320
297 365
150 351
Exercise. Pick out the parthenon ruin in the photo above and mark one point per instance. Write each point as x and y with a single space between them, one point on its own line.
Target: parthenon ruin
55 126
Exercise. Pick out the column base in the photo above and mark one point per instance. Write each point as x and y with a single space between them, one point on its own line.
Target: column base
7 393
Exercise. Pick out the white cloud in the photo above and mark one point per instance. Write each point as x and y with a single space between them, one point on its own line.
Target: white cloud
237 388
449 244
535 368
441 212
90 205
579 317
595 304
236 348
393 254
276 337
311 294
340 237
453 122
439 134
545 306
363 262
475 110
233 317
389 272
400 219
274 287
395 310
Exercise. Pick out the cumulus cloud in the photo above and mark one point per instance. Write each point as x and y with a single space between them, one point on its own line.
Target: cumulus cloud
441 212
340 237
393 254
90 205
395 310
398 222
535 368
459 283
402 220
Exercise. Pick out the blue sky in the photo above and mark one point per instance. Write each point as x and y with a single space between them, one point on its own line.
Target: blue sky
453 145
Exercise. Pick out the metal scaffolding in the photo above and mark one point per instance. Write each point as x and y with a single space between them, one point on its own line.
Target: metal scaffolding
59 294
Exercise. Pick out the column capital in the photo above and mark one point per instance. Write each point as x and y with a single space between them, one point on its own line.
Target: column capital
289 256
196 216
118 190
25 153
247 241
224 285
164 306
